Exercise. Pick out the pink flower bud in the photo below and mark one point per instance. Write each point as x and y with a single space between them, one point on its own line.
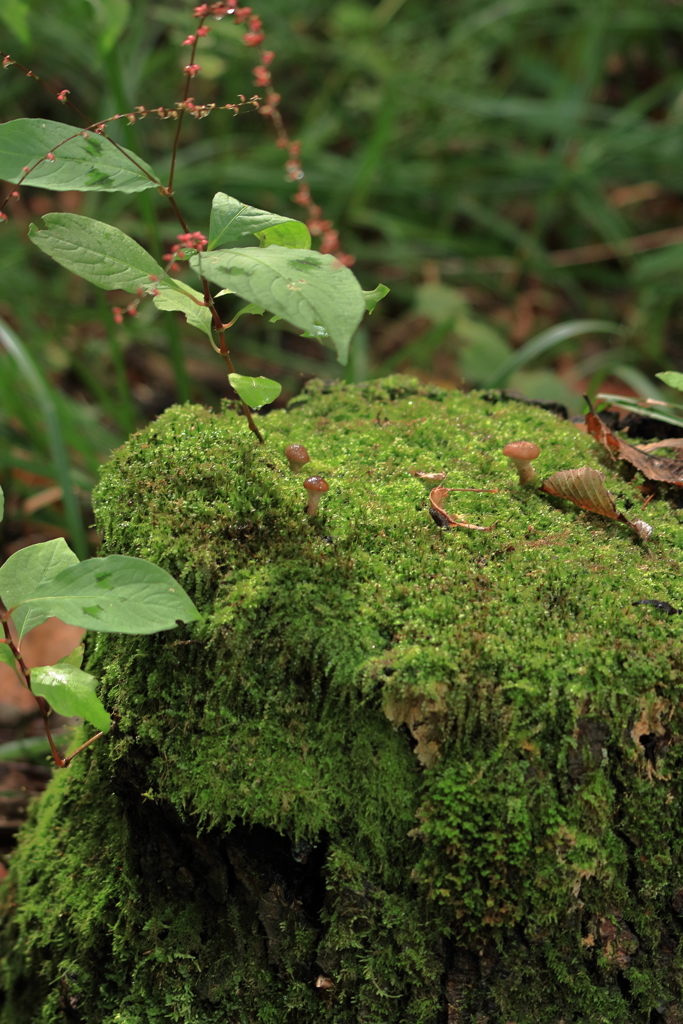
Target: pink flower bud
61 96
50 157
189 41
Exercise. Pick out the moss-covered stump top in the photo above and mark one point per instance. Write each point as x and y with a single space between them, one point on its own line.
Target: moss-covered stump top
481 722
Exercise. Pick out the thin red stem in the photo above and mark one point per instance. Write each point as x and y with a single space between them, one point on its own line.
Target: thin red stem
186 93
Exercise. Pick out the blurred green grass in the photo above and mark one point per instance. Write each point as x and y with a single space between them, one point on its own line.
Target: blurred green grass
500 165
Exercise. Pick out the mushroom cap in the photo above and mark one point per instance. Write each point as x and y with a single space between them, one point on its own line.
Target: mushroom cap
522 450
297 453
316 483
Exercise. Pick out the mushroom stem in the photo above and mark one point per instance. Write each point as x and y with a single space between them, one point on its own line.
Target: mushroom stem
315 488
521 454
527 473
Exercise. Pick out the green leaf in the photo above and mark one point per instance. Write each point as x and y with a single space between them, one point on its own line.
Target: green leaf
546 340
87 162
6 656
665 412
293 234
255 391
309 290
373 297
70 692
75 658
98 252
232 220
116 594
27 570
178 297
15 14
672 378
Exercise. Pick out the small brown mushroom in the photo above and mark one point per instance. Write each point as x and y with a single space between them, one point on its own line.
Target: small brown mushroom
297 456
316 487
521 454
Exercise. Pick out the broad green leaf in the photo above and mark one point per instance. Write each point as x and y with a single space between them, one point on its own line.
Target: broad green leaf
293 234
116 594
87 162
6 656
27 570
180 297
309 290
75 658
375 296
672 378
70 692
232 220
255 391
100 253
15 14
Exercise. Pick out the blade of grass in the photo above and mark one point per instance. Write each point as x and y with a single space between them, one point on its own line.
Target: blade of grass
60 460
547 340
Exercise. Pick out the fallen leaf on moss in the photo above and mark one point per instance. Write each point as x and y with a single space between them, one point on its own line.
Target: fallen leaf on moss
436 496
652 467
586 488
430 476
668 442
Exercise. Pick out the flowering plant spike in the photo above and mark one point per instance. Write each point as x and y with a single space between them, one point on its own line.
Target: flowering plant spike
281 275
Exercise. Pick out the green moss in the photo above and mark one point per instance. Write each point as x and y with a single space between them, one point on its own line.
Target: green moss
402 758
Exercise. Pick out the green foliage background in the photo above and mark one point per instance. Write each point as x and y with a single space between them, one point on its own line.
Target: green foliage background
457 146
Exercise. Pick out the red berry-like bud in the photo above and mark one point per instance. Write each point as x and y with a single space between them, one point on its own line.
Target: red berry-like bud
50 157
268 57
253 38
203 31
189 41
192 69
61 96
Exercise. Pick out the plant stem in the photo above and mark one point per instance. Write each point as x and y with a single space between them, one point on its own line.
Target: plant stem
43 706
208 299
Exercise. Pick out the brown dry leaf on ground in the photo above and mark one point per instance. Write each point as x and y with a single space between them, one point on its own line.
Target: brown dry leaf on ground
653 467
586 488
437 495
430 476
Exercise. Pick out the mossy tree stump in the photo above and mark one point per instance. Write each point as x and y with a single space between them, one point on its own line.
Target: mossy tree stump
397 774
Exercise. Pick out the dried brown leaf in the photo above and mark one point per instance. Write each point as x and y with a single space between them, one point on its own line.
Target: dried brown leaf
585 487
668 442
652 467
430 476
437 495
